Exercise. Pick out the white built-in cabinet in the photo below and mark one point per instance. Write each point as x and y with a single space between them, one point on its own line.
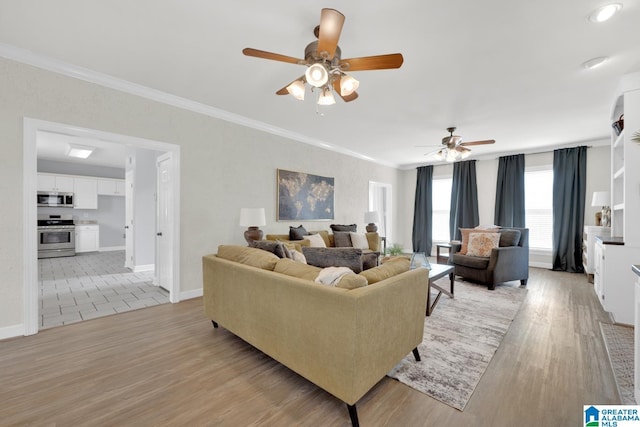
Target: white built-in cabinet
59 183
85 193
614 280
588 246
87 238
110 187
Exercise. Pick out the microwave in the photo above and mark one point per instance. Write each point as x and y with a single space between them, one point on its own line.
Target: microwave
55 199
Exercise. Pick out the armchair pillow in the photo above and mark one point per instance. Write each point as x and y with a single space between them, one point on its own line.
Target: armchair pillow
481 244
509 238
465 236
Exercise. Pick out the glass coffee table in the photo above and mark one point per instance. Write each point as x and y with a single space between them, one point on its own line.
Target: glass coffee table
438 271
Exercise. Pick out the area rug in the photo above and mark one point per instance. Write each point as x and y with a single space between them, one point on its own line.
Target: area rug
460 338
619 343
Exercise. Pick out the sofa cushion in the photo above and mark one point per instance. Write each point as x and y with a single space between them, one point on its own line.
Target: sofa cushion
359 240
465 236
315 241
481 244
250 256
470 261
276 248
297 269
390 268
297 233
343 227
352 281
334 257
509 238
342 239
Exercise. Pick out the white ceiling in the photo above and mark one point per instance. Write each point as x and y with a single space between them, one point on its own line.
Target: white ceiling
508 70
55 146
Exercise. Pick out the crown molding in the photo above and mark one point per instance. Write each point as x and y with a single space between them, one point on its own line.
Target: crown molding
50 64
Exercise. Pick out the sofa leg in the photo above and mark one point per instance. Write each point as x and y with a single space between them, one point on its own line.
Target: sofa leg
215 325
492 287
523 282
416 354
353 414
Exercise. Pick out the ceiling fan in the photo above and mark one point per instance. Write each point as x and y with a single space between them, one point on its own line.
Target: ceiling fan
326 70
454 149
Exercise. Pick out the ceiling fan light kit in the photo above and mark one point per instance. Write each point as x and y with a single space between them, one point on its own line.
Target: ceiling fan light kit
326 70
454 148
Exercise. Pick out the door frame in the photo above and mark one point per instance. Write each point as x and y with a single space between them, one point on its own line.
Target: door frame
171 224
29 188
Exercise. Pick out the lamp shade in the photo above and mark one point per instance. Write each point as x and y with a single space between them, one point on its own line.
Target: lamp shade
371 216
252 217
600 198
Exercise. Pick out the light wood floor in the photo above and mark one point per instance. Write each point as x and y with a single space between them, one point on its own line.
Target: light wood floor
166 365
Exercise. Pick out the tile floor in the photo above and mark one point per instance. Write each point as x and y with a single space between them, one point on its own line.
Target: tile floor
90 285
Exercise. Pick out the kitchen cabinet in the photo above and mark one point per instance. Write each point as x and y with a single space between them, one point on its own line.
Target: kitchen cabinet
613 278
85 193
110 187
59 183
87 238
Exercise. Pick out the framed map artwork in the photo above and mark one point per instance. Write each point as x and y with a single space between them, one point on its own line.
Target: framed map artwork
302 196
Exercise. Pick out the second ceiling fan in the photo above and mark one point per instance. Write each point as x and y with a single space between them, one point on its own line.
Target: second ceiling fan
326 70
454 148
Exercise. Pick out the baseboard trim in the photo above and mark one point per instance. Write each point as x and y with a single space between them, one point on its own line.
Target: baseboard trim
141 268
194 293
12 331
111 248
546 265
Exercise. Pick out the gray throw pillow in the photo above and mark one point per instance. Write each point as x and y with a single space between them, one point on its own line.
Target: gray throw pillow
342 239
276 248
297 233
509 238
334 257
343 227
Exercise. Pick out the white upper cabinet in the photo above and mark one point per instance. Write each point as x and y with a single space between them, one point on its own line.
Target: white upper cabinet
85 193
110 187
59 183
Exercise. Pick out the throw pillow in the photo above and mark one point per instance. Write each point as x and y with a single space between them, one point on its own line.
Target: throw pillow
481 244
315 241
465 237
276 248
509 237
298 256
297 233
342 239
343 227
359 240
334 257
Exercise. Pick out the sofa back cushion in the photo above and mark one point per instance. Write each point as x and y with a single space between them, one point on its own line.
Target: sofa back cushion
334 257
248 256
297 269
342 239
390 268
509 237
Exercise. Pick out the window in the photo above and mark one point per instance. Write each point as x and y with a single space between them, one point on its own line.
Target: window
538 204
441 202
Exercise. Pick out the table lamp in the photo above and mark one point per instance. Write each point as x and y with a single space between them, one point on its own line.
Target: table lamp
371 218
252 218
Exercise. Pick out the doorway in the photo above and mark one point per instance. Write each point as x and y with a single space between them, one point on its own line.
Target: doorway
31 129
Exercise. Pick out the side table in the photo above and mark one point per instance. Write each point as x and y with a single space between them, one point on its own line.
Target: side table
444 258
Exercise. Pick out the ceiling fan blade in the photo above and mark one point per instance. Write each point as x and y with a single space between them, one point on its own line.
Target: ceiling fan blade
273 56
331 22
485 142
347 98
432 153
379 62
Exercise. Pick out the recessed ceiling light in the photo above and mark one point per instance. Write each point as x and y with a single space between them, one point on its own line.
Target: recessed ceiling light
604 13
595 62
79 151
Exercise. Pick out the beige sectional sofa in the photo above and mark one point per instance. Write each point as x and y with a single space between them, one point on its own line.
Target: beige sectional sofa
342 340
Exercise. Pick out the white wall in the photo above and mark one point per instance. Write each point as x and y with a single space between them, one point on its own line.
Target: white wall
224 167
144 208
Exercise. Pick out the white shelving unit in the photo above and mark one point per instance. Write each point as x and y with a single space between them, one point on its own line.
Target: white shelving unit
614 255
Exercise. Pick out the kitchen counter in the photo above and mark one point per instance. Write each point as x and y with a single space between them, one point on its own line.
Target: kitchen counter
85 222
610 240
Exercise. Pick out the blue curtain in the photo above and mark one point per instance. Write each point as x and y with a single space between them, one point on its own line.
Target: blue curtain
464 198
423 211
569 187
509 211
